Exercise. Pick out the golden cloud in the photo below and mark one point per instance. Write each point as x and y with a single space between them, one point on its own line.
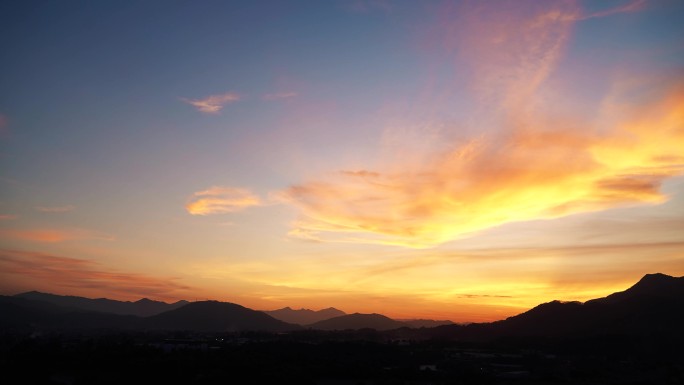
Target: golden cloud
221 200
531 164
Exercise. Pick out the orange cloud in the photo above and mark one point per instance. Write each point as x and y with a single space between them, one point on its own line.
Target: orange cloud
531 164
53 235
85 277
7 217
221 200
55 209
213 104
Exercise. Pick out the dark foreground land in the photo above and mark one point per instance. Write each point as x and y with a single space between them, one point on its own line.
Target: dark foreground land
316 357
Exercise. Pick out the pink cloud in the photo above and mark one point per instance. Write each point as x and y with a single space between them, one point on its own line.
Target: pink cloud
213 104
279 95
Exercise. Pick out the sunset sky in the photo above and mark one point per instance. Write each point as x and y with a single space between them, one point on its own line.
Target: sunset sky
462 160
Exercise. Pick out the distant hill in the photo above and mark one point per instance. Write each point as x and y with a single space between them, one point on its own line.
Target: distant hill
217 316
425 323
142 308
304 316
21 314
358 321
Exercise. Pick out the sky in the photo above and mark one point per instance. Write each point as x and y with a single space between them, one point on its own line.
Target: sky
459 160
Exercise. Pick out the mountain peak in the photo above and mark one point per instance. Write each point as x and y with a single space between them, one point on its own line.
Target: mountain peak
656 277
655 281
145 300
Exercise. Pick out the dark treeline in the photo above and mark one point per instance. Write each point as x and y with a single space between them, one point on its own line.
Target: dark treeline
344 357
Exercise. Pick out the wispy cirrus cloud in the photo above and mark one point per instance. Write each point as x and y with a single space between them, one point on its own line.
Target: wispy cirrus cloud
213 104
87 277
279 96
7 217
55 209
53 235
628 7
530 164
221 200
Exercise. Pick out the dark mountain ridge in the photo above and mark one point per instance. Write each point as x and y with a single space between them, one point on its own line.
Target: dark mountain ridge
143 308
358 321
217 317
654 305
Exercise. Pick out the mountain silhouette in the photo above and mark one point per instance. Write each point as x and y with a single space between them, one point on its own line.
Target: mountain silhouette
654 305
218 317
142 308
358 321
651 287
304 316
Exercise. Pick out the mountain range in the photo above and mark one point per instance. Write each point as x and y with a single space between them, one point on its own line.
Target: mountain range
143 308
654 305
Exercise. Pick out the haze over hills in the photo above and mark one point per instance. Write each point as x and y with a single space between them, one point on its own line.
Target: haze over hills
304 316
654 305
142 308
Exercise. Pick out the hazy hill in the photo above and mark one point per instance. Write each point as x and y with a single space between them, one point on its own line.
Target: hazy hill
358 321
217 316
304 316
425 323
143 308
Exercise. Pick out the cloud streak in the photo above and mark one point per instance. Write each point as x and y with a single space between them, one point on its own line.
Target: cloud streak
633 6
279 96
531 163
221 200
55 209
213 104
53 235
73 274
